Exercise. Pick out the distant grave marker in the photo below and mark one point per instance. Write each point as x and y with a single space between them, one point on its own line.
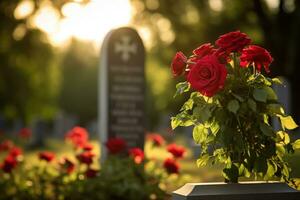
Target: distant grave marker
122 88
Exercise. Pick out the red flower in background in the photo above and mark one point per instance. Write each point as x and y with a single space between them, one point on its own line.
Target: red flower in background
15 151
6 145
10 162
178 64
47 156
208 75
25 133
137 154
171 166
78 136
67 165
156 139
232 42
256 55
88 147
116 145
91 173
86 157
176 150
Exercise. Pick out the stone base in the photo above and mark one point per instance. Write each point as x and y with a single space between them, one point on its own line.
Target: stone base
236 191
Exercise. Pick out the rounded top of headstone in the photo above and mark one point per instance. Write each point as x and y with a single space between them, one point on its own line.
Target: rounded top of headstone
123 44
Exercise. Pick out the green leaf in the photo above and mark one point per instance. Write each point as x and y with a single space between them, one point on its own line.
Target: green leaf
202 113
266 130
252 104
288 123
271 95
280 149
188 105
277 81
182 88
233 106
200 134
182 119
296 144
203 160
275 109
260 94
284 137
238 97
270 171
214 127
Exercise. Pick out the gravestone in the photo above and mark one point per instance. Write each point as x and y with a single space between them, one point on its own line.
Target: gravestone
122 88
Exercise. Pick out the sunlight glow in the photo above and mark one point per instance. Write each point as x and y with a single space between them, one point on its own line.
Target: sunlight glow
24 9
89 21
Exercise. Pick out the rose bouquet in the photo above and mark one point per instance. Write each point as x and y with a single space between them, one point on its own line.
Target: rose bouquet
230 108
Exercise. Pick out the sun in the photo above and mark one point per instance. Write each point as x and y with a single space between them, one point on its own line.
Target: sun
89 22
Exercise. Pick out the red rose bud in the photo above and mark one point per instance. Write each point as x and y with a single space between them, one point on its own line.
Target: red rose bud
137 154
47 156
116 145
15 152
91 173
208 75
233 42
78 136
257 56
178 64
6 145
156 139
10 162
86 157
176 150
25 133
171 166
67 165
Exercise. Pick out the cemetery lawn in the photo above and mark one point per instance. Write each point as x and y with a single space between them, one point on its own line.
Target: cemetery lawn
189 170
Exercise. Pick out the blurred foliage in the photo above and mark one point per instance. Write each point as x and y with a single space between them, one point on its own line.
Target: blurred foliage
78 93
28 75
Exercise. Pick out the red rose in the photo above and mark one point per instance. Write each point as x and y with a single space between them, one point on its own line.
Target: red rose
203 50
137 154
176 150
10 162
78 136
47 156
15 152
178 64
86 157
115 145
88 147
171 165
6 145
25 133
256 55
208 75
200 52
91 173
156 139
67 165
233 42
